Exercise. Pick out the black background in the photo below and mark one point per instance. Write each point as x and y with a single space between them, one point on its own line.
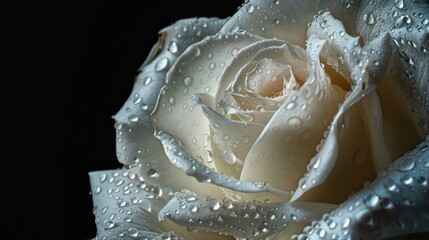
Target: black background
66 68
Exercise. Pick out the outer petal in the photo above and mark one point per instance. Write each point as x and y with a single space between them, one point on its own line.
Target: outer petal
194 168
126 207
135 141
249 220
407 23
288 19
393 204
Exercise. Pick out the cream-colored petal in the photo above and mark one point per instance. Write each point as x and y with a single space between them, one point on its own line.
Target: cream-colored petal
197 70
283 150
285 54
126 206
135 113
355 62
180 158
231 138
136 144
288 19
407 24
398 111
394 204
360 146
249 220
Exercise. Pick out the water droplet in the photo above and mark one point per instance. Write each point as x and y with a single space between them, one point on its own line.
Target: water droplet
407 179
172 47
294 122
405 164
276 2
133 118
133 232
107 224
276 21
147 80
371 200
152 173
321 233
207 89
345 3
193 208
346 222
214 204
386 203
331 224
161 64
227 204
376 63
250 8
399 4
187 81
390 185
190 196
369 18
172 100
290 106
403 20
212 66
97 190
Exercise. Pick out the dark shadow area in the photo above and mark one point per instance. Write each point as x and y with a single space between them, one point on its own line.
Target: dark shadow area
66 68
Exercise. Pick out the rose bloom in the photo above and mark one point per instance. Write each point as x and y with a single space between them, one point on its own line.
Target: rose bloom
290 119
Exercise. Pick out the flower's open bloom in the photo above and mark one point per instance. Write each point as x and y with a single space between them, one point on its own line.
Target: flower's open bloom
257 126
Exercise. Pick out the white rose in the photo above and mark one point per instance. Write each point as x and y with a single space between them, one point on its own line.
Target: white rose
257 125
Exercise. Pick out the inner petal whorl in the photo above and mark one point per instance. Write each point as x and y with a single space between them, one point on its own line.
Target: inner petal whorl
271 79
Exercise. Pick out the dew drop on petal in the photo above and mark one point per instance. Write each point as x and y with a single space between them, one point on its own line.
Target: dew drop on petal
147 80
187 81
250 8
399 4
346 223
152 173
172 47
405 164
369 18
390 185
133 232
161 64
371 200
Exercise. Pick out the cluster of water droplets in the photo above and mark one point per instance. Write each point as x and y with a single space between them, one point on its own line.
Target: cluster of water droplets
126 205
393 204
408 24
134 116
252 220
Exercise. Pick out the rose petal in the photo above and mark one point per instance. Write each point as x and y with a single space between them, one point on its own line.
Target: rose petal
232 139
355 62
136 110
407 24
287 19
126 206
289 140
194 168
197 70
135 141
394 204
285 54
248 220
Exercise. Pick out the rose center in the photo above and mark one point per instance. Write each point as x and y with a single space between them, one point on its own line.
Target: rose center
271 79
